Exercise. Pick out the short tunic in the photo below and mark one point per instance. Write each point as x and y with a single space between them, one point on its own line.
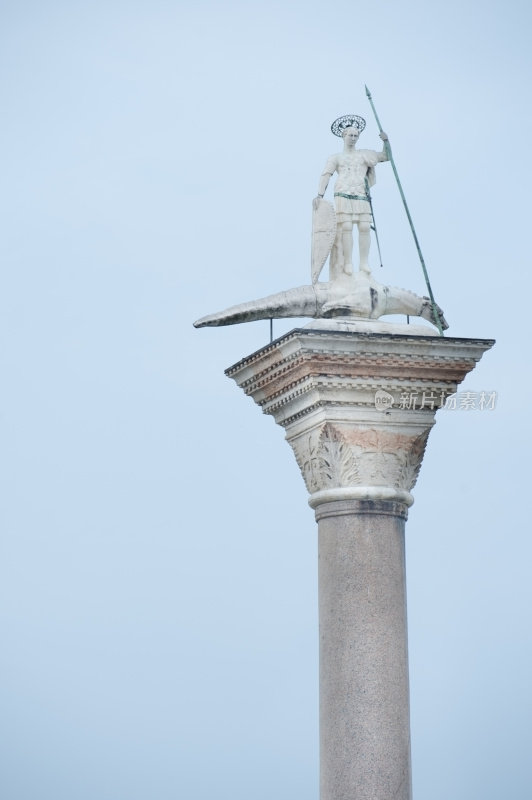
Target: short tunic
360 209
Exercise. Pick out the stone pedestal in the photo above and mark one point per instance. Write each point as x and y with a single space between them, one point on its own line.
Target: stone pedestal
357 408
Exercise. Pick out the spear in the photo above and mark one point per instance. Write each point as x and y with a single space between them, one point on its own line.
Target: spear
374 226
403 198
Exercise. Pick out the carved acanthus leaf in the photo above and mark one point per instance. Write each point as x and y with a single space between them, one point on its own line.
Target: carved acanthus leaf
411 462
326 460
337 463
305 450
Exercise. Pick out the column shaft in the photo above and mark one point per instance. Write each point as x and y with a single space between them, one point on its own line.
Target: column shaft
364 697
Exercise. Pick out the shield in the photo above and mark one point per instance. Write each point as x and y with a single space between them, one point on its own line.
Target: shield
323 233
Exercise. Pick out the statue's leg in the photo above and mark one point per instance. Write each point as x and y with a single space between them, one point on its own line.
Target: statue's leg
336 259
347 245
364 241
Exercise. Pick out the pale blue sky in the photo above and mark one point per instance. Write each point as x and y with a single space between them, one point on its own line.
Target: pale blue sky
158 562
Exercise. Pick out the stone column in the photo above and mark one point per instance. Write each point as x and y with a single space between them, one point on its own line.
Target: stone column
364 705
357 408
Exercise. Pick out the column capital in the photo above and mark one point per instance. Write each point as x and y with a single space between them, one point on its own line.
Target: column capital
357 407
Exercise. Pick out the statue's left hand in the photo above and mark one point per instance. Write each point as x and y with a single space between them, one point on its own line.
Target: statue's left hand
384 136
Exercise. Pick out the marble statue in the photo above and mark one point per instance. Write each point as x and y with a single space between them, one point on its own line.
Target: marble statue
356 173
348 295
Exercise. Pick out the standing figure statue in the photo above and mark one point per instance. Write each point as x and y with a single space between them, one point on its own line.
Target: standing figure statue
356 173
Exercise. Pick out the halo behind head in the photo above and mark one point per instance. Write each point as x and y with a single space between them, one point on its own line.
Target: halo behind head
348 121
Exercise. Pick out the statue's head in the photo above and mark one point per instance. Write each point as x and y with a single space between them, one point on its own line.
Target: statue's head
350 134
